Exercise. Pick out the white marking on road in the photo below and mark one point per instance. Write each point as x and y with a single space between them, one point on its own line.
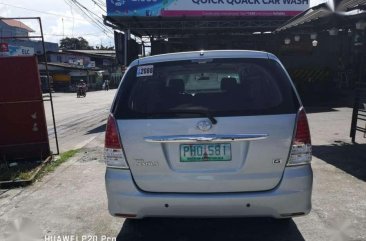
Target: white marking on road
84 143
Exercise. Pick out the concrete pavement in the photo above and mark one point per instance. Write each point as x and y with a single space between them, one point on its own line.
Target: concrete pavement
339 193
69 201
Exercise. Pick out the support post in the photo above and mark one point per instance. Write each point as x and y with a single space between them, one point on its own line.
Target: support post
127 37
354 118
49 86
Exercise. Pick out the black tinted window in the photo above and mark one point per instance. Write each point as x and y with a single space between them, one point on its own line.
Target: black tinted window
221 87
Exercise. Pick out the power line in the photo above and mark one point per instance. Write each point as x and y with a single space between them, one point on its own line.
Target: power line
99 24
103 9
82 34
33 10
94 18
102 2
73 18
90 18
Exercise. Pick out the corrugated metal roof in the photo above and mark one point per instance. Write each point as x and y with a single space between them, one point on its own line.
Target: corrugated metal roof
95 53
310 15
325 15
209 54
70 66
347 5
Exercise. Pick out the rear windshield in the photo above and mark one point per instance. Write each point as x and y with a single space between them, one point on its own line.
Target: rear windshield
221 87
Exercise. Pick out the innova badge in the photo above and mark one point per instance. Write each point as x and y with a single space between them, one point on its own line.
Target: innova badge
204 125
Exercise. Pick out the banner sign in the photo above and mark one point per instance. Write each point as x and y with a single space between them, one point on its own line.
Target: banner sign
20 51
177 8
10 50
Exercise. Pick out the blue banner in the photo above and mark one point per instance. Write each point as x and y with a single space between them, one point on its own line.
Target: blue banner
176 8
136 7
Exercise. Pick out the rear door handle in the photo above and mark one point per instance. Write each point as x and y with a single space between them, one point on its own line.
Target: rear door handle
205 138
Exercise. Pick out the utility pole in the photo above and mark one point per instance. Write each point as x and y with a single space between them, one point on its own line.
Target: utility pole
63 28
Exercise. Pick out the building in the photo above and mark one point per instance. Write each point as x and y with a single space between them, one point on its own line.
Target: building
14 28
15 34
68 67
104 60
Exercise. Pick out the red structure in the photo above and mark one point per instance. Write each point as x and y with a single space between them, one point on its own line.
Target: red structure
23 127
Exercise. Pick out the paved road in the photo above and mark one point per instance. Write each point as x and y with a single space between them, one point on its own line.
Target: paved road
72 200
78 120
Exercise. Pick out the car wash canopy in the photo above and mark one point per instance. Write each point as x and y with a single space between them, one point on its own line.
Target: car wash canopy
176 17
179 8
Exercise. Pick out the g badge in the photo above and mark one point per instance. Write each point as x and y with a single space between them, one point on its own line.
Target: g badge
277 161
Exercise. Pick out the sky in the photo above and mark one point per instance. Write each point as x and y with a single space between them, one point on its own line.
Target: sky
62 18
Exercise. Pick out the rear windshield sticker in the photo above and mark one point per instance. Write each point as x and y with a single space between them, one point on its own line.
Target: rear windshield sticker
146 70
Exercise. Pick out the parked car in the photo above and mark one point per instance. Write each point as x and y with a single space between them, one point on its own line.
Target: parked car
208 134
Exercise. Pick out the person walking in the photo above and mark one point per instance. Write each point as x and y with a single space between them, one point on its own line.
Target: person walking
106 85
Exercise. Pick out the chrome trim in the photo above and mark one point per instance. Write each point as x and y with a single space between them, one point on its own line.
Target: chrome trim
205 138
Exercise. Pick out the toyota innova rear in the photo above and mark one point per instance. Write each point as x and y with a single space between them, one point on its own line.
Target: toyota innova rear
208 134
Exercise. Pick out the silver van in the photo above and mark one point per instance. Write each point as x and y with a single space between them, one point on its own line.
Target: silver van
208 134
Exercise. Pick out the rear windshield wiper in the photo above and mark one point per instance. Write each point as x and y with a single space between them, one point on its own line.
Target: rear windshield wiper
197 112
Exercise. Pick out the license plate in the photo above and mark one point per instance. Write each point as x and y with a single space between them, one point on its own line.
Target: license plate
205 152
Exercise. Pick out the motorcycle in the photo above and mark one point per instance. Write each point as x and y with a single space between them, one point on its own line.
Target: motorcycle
81 91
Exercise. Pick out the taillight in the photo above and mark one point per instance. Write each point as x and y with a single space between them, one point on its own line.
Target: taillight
113 151
301 144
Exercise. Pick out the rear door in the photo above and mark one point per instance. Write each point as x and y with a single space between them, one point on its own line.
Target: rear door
220 125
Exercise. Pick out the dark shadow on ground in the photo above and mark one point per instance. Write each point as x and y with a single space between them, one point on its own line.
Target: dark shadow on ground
3 191
319 109
350 158
98 129
247 229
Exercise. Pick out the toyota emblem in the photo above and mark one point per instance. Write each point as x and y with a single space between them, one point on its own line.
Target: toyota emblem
204 125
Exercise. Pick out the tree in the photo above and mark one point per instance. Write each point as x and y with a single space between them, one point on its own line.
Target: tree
75 43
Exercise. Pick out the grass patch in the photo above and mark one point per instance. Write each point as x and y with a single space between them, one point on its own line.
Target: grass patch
50 167
24 175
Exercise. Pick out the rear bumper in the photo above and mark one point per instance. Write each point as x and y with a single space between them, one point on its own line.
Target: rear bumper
292 197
